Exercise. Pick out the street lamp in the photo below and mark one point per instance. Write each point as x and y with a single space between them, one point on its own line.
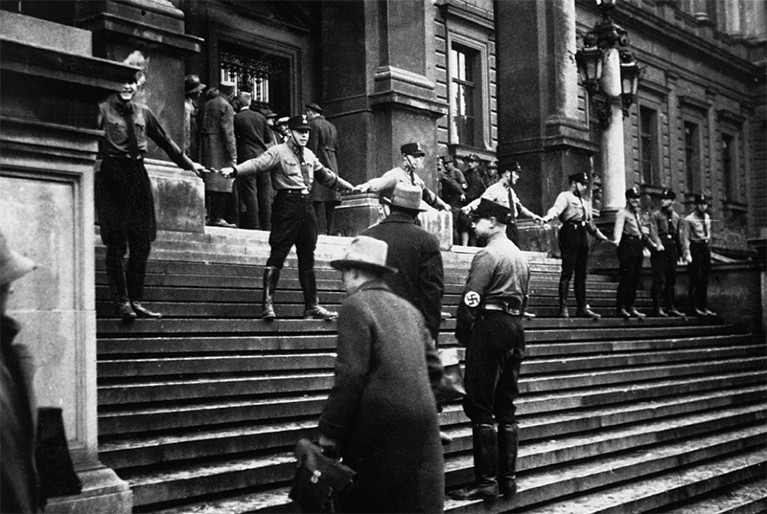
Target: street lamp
605 36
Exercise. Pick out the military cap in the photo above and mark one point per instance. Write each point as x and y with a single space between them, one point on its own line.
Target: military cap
314 107
700 199
282 121
488 208
298 122
412 149
667 194
473 157
633 193
583 178
514 166
227 87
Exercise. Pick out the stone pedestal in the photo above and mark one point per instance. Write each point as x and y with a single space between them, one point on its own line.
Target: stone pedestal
51 84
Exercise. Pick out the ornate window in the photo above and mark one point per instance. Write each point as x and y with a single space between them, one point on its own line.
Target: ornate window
691 155
264 75
648 146
464 93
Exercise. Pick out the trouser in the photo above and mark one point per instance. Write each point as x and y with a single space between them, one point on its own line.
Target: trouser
128 282
574 245
220 206
699 270
664 264
249 206
265 199
293 223
630 259
325 214
493 359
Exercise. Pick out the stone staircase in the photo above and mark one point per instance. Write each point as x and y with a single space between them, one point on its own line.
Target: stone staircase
199 411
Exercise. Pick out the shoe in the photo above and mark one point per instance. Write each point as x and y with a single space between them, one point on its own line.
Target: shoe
563 312
528 314
445 315
507 487
223 223
587 313
143 312
674 312
709 312
636 313
446 439
123 309
659 313
319 312
623 313
699 312
487 493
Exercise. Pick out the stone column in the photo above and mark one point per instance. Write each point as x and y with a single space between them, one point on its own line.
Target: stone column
156 29
379 90
47 149
613 158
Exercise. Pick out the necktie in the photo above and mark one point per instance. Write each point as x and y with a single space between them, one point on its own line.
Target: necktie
705 228
131 128
512 206
583 209
639 225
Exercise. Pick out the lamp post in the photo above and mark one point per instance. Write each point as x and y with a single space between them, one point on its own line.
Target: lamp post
610 74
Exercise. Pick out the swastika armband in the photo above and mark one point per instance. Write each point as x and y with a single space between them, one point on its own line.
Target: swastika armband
472 299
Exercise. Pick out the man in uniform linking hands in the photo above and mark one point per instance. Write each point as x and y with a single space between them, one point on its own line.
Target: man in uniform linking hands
664 231
629 235
697 254
293 168
574 211
490 326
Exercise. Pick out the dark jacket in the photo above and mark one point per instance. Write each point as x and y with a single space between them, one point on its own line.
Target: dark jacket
217 144
381 409
252 134
416 254
323 139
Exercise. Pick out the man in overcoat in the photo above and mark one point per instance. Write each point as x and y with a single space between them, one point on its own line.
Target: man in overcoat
323 141
218 149
380 415
253 136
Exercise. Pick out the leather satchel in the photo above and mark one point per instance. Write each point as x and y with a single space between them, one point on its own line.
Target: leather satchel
318 479
451 387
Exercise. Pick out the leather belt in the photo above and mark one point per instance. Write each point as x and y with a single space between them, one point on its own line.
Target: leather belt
302 192
502 307
699 242
577 223
125 157
630 236
666 235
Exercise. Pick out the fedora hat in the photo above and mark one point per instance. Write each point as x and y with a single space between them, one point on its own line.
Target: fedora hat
367 253
407 196
13 265
192 84
489 209
313 106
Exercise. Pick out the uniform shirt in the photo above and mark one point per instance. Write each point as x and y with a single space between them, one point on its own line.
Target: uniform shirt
695 229
570 207
115 140
499 273
289 171
385 184
664 221
629 223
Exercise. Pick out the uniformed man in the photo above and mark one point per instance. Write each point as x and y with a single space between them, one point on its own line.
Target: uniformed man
502 192
490 327
412 161
574 211
123 191
293 168
664 232
696 236
629 233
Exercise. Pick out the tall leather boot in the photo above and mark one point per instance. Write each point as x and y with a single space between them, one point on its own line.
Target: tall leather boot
312 307
115 268
485 466
271 277
508 444
564 285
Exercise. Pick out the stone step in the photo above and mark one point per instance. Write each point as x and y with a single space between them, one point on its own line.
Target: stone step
130 370
570 481
748 497
540 343
142 450
131 419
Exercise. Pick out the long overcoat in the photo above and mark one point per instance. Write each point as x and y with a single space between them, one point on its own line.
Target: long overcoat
217 142
381 408
323 142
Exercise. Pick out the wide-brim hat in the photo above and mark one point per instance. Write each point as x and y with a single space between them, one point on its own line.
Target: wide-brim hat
407 196
192 84
413 149
490 209
367 253
314 107
300 122
583 178
13 265
268 113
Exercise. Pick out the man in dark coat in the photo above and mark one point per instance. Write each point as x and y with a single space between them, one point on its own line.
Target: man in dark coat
477 183
415 253
218 149
323 142
380 415
253 137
